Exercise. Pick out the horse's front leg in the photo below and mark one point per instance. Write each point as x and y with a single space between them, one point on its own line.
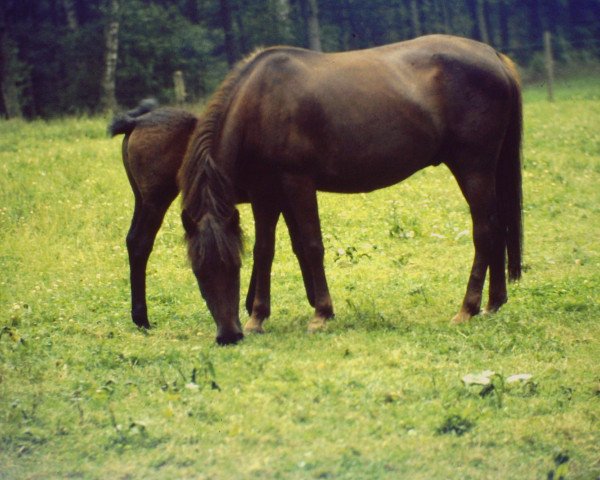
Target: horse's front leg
296 241
251 290
302 209
258 302
297 247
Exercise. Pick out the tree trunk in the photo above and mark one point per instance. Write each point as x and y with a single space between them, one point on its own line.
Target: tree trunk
549 60
9 101
503 19
415 18
310 14
535 26
242 37
283 9
226 23
179 87
482 22
472 9
192 12
349 31
72 21
314 32
446 16
108 101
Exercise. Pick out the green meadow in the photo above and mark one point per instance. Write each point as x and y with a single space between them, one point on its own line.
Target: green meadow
380 394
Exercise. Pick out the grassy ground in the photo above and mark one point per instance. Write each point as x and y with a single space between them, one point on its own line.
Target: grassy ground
84 394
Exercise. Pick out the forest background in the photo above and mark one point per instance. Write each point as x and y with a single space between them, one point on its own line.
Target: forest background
60 57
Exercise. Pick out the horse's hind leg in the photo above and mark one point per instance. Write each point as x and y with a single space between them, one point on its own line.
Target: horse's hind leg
297 247
497 292
479 191
147 219
301 204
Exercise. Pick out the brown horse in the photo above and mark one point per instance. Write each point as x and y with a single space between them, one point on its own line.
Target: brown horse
153 149
287 122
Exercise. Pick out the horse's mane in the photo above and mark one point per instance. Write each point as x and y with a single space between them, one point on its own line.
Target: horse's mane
208 196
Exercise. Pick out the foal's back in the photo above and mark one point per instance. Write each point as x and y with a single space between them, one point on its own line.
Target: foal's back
154 150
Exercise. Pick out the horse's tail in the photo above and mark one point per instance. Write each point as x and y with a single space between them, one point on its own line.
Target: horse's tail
125 123
209 216
508 177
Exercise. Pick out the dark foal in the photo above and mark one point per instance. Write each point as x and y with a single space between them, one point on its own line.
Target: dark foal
287 122
153 149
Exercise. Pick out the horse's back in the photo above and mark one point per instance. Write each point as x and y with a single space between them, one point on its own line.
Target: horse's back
416 71
365 119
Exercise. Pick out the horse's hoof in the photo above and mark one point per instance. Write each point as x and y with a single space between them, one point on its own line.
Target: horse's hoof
317 324
254 326
461 317
493 307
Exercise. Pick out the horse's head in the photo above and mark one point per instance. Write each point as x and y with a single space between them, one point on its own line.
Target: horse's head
214 250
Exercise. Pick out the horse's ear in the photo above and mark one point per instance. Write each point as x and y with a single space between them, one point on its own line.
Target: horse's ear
189 225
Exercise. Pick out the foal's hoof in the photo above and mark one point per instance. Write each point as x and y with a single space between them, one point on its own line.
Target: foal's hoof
317 324
140 318
145 324
493 307
254 326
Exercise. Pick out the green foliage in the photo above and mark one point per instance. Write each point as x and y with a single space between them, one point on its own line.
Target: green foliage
561 469
401 226
455 424
147 61
379 394
59 69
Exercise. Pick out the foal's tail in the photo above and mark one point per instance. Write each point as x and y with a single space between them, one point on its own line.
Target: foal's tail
125 123
508 177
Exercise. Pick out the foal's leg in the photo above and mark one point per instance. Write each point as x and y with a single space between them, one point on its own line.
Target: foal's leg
479 191
147 219
266 213
301 200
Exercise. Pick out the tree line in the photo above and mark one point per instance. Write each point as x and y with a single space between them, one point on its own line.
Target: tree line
71 56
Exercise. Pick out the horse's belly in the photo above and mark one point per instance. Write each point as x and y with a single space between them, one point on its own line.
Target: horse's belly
379 147
358 177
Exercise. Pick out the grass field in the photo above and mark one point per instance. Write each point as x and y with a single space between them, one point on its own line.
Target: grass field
84 394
